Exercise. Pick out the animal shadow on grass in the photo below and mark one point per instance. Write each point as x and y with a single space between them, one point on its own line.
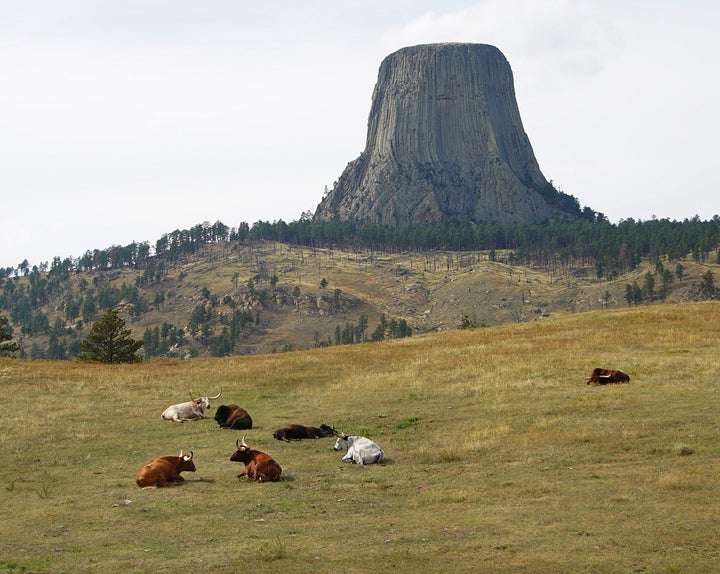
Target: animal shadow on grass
384 462
283 478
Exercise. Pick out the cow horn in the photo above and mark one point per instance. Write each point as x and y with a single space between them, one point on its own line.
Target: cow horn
180 453
237 443
216 396
243 439
191 455
191 397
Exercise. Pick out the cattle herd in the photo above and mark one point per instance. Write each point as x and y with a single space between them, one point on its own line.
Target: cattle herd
259 466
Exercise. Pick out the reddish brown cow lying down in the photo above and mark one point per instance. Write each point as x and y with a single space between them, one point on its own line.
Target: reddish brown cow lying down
258 465
165 470
604 376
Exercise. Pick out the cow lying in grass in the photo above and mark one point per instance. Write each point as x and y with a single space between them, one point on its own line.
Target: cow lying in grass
188 411
258 465
604 376
299 432
165 470
233 417
360 449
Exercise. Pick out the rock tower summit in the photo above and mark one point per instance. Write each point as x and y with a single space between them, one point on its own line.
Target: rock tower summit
445 142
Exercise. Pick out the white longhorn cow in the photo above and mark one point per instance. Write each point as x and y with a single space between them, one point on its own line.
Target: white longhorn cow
191 410
360 449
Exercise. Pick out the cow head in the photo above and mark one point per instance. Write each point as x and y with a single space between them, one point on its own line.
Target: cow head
204 402
222 413
328 430
243 453
343 442
186 462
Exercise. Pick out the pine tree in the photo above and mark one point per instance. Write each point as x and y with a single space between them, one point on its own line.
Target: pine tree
110 342
707 285
6 349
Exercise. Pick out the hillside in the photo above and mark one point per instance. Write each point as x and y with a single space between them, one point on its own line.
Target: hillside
277 297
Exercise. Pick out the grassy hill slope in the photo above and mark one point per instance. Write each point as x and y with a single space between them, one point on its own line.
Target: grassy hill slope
499 457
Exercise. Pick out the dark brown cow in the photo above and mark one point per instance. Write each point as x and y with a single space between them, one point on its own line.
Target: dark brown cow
604 376
165 470
233 417
258 465
299 432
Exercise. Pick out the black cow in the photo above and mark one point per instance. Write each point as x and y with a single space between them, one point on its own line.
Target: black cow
299 432
233 417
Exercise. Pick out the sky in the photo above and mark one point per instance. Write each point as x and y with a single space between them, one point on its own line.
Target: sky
123 120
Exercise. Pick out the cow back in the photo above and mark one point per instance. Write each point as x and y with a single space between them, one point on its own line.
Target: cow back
233 417
618 376
259 466
240 419
265 468
189 410
605 376
360 450
298 432
369 451
291 432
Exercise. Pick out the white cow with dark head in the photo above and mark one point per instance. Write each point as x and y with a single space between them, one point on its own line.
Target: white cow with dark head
360 449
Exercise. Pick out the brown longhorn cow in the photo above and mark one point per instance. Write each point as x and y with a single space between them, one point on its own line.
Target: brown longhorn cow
299 432
258 465
604 376
165 470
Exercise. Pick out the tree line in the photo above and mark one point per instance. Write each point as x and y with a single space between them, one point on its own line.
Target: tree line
613 248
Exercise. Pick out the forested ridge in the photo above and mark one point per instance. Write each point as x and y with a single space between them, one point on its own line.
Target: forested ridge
52 302
614 247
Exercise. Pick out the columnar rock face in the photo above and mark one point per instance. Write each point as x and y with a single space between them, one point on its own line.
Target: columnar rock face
445 142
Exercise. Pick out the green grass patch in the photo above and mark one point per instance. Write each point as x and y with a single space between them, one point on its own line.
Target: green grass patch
407 422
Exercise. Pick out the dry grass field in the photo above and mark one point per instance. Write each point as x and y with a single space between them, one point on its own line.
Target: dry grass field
499 457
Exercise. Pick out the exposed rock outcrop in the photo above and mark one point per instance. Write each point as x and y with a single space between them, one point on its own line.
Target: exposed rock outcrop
445 142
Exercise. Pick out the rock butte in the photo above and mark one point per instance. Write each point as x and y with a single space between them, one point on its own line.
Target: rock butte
445 142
